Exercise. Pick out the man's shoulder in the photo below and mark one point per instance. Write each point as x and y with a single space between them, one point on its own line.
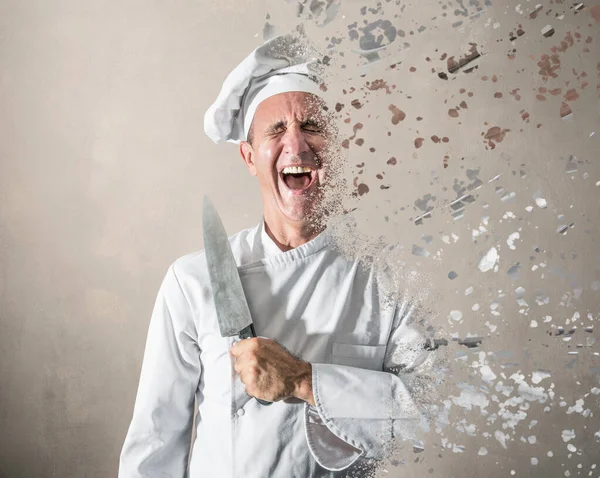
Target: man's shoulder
194 264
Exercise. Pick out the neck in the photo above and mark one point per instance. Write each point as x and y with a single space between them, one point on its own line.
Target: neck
288 235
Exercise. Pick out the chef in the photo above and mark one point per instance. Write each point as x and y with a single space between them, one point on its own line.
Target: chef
333 354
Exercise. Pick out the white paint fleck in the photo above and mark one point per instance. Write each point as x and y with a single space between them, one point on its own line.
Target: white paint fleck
489 261
533 324
469 398
529 208
572 448
457 448
550 454
511 240
486 374
539 375
541 202
534 460
475 307
568 435
532 424
501 437
483 451
577 408
595 391
532 439
469 291
528 392
455 315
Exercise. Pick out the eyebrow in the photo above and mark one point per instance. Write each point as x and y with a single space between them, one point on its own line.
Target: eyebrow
276 126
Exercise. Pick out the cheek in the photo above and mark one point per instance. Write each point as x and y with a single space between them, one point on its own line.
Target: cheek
317 144
270 154
265 165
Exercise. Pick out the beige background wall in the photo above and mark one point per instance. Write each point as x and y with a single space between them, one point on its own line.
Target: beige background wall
103 166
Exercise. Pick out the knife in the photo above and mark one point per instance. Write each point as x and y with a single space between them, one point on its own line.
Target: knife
233 313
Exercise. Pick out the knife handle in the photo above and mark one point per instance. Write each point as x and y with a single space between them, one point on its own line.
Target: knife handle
248 333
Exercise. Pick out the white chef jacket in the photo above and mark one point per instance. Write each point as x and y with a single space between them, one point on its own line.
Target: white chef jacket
320 305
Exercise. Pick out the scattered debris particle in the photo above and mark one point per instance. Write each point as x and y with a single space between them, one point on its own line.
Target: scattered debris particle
362 189
548 31
397 114
489 261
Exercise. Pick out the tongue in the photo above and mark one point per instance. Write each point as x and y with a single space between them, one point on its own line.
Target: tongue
297 181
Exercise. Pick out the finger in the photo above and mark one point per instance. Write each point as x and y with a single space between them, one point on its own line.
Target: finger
236 349
238 366
246 379
241 362
249 362
250 387
242 346
250 372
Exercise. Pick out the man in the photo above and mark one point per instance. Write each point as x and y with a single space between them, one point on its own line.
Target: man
336 408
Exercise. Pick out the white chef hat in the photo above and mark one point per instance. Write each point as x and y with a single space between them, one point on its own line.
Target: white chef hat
281 65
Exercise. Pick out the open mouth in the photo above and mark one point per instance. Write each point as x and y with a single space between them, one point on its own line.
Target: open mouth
298 178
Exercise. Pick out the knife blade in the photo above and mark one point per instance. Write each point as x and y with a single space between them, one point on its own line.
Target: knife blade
233 313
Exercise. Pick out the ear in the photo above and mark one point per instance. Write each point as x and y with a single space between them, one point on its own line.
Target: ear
247 153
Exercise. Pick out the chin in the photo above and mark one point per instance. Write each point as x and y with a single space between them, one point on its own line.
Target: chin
306 213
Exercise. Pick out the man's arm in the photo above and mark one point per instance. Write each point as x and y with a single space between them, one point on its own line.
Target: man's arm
359 412
158 440
349 411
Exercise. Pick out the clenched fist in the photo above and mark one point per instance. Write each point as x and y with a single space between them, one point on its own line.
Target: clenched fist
270 372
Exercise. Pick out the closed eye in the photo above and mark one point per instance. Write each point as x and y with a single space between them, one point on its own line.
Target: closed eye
277 128
311 126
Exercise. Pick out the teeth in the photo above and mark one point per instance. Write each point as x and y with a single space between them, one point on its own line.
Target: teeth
296 170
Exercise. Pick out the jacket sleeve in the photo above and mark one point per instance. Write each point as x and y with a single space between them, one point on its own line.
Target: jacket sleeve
159 436
360 412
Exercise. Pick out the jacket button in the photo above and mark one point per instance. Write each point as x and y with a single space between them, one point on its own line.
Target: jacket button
240 412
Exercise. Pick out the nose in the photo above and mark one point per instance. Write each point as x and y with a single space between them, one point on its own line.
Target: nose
295 141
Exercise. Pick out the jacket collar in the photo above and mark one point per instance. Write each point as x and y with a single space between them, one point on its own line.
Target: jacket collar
264 249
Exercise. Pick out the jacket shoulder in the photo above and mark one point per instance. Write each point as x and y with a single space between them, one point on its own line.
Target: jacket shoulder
194 265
